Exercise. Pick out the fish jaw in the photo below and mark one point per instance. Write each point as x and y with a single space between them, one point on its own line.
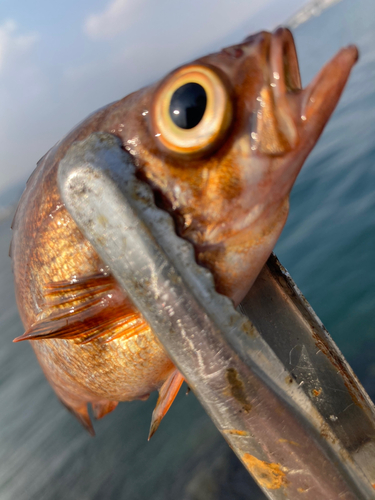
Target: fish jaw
301 113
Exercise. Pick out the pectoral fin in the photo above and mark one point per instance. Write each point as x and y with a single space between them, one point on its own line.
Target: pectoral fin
167 394
87 308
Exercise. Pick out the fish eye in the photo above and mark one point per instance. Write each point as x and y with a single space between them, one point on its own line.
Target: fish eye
191 110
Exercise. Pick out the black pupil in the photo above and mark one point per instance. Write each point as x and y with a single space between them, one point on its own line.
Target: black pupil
188 105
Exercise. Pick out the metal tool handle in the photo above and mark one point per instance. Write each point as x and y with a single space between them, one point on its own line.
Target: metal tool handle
262 410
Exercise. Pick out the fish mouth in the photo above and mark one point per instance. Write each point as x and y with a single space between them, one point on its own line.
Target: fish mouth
283 62
279 56
289 117
274 129
320 97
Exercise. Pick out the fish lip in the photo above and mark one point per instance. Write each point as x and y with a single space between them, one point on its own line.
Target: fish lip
279 54
320 97
298 116
274 130
283 63
285 81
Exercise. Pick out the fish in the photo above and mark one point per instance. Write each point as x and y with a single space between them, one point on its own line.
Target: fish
220 141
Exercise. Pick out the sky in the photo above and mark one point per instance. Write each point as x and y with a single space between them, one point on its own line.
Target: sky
60 61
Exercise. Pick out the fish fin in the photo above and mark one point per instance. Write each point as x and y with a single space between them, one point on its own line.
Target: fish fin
102 408
86 308
167 394
82 415
144 397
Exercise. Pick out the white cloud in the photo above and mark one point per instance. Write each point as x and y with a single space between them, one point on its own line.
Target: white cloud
114 19
12 43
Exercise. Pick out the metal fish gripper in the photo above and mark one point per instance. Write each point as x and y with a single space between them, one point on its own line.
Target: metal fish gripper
268 374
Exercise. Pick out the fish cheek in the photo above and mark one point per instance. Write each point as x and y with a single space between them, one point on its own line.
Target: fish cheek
230 180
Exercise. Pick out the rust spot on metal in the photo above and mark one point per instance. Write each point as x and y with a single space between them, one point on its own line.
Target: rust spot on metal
281 440
237 388
248 328
268 475
102 220
326 433
289 379
235 432
316 392
302 490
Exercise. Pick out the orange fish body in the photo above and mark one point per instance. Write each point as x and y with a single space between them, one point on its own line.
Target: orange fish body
49 253
221 160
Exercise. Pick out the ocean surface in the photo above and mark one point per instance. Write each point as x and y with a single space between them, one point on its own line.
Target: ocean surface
328 246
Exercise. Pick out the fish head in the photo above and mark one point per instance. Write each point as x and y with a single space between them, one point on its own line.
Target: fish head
221 140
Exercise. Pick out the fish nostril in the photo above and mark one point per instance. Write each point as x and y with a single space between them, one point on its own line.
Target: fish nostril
236 51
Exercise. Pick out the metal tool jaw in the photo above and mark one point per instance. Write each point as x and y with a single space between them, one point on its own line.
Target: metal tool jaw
268 374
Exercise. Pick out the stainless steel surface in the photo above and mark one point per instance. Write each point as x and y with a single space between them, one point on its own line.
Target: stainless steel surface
289 325
276 427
